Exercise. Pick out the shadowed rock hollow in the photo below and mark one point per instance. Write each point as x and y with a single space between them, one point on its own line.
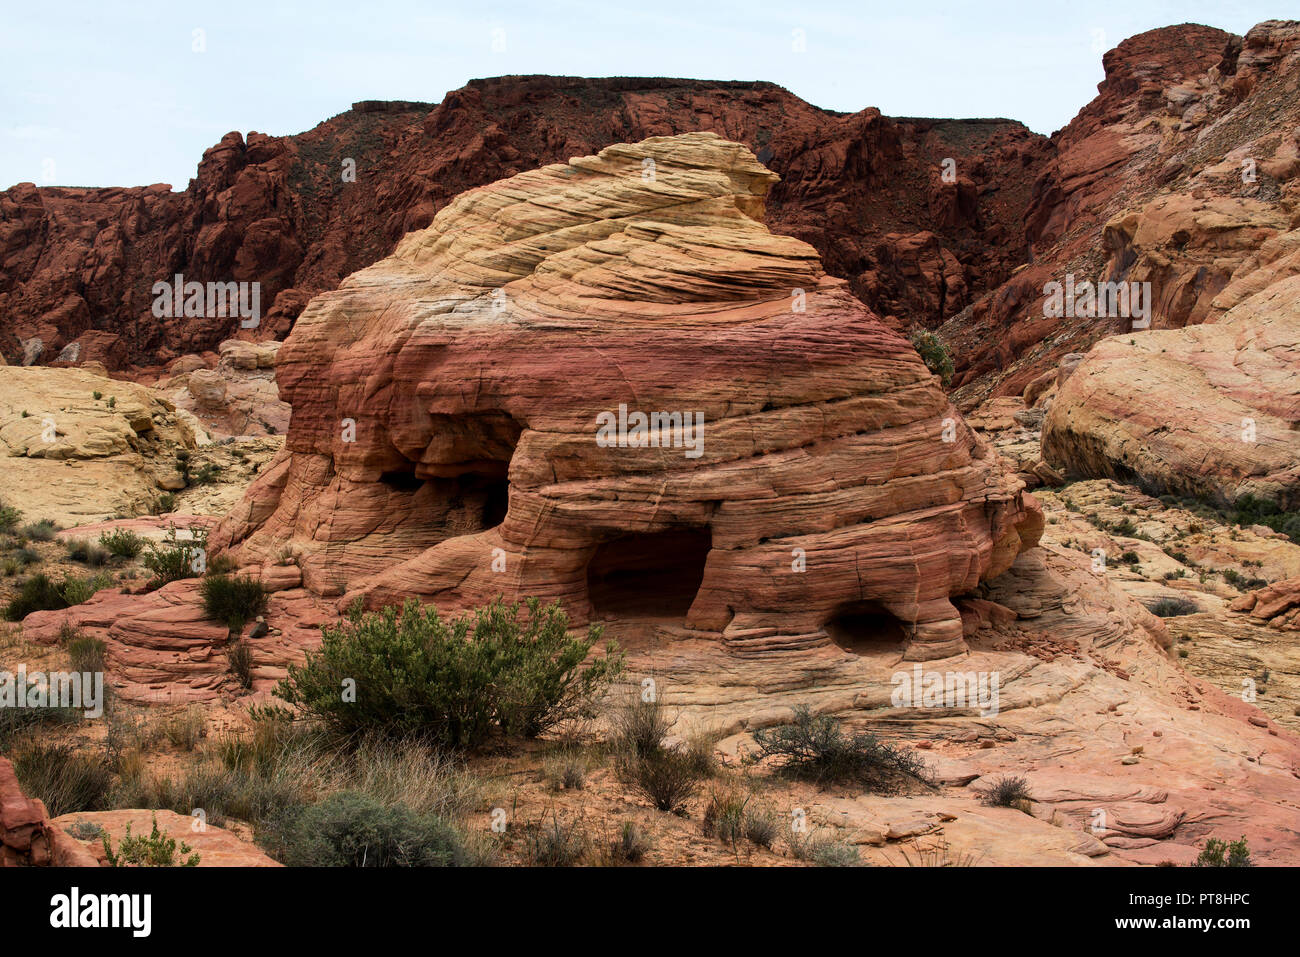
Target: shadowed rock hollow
448 403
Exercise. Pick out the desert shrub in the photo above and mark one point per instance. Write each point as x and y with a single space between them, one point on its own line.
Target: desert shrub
1130 558
939 853
64 779
1220 854
1242 582
935 354
667 777
1007 791
15 722
823 851
88 553
816 748
351 829
208 474
156 850
566 772
232 599
556 843
84 830
221 793
87 654
122 542
631 846
240 659
9 517
185 728
25 556
724 816
761 825
42 531
1173 607
176 558
700 748
640 726
454 682
41 593
164 503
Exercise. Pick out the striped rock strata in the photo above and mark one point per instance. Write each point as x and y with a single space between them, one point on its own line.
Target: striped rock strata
448 403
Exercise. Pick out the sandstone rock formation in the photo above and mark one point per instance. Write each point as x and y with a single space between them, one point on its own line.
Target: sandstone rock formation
77 447
447 402
1208 410
1182 173
28 838
77 265
236 397
1278 604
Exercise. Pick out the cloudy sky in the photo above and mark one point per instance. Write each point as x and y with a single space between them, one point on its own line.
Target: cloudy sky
98 96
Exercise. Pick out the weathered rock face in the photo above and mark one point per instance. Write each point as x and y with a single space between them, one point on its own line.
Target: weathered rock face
1210 410
27 836
1182 173
238 396
457 410
77 265
78 447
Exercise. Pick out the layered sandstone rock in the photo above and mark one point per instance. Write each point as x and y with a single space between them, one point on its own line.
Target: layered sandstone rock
237 396
77 447
1278 604
446 404
1209 410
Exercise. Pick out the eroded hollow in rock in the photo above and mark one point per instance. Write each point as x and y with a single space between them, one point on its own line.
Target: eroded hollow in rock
865 627
648 575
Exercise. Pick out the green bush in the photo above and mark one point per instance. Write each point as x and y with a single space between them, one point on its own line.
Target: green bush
232 599
455 683
935 354
1220 854
122 542
176 558
156 850
9 517
40 593
351 829
816 748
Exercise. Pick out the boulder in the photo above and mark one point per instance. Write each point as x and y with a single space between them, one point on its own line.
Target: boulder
798 461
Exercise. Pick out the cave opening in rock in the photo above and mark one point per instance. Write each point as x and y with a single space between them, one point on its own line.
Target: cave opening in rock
648 575
864 627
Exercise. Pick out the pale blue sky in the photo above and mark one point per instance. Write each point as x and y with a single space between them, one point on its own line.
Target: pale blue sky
110 93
